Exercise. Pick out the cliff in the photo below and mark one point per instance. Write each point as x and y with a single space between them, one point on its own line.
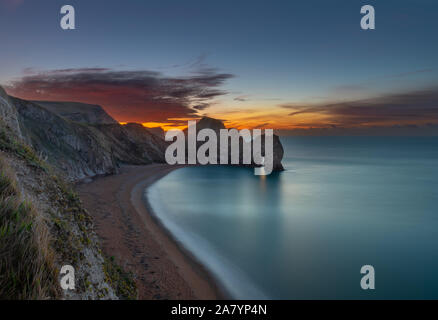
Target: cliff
83 141
78 112
134 144
8 113
44 146
43 224
82 149
157 131
76 149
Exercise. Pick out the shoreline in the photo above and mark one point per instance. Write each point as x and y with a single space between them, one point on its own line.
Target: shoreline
131 231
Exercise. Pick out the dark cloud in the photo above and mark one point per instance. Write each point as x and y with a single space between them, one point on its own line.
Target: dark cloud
418 106
410 73
201 106
241 98
127 95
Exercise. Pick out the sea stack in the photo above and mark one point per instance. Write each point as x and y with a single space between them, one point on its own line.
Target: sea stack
217 125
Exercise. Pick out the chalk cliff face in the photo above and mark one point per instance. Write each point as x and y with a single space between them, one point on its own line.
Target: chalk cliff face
78 112
8 113
83 141
79 139
133 144
41 144
59 231
157 131
76 149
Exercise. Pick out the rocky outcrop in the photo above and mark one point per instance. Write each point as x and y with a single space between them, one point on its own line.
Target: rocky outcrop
216 125
58 231
80 140
150 142
158 131
78 150
78 112
210 123
134 144
8 113
278 154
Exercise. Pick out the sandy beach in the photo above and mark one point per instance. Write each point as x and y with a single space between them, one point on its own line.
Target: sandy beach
129 231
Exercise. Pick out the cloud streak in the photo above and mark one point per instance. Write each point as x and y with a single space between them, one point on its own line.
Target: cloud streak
139 96
11 4
403 108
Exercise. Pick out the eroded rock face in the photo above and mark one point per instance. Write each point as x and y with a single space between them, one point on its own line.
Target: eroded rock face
61 223
278 152
80 151
78 112
8 113
156 131
134 144
210 123
84 141
152 143
216 125
79 139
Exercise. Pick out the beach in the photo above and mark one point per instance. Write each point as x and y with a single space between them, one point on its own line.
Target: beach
130 233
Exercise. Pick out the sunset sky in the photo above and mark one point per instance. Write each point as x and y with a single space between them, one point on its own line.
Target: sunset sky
268 64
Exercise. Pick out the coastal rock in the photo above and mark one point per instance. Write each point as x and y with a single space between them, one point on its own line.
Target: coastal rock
8 113
278 152
206 122
80 140
78 112
216 125
61 231
83 141
157 131
77 150
134 144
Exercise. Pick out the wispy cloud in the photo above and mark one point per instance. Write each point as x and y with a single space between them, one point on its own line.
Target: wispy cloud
128 95
241 98
11 4
417 106
409 73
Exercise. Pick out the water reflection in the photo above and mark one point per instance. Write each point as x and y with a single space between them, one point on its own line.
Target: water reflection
305 233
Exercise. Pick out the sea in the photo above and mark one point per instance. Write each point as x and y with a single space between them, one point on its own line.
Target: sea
305 233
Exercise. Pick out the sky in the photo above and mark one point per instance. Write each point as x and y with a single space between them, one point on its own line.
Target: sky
254 64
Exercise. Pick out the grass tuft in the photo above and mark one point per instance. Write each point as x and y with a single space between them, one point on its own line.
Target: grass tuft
26 263
10 144
122 281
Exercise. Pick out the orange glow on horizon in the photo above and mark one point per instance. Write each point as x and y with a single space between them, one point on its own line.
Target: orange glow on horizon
278 122
163 125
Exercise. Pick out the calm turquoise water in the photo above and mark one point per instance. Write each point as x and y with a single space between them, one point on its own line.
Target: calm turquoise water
342 202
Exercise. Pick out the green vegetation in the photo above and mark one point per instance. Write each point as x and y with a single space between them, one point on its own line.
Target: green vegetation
10 144
33 243
122 281
67 242
26 262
